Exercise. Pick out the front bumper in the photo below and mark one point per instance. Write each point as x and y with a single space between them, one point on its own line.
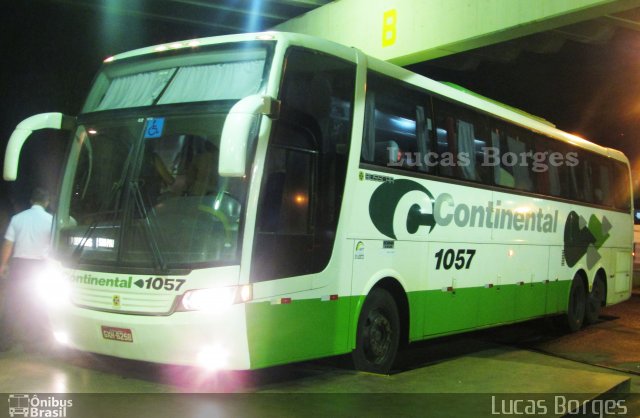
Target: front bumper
179 338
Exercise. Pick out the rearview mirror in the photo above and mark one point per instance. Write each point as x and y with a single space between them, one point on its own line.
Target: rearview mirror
23 131
239 127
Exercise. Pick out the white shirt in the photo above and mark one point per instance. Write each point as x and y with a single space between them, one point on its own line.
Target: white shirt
30 232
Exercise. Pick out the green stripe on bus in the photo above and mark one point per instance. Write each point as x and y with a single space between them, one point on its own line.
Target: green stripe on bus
300 330
312 328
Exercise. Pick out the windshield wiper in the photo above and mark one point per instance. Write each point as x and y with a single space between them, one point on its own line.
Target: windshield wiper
149 227
94 224
113 193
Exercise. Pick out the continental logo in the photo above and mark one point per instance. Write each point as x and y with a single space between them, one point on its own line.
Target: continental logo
443 211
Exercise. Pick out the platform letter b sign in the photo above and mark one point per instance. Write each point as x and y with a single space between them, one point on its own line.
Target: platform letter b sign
389 27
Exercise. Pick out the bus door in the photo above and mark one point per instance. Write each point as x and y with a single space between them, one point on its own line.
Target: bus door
298 208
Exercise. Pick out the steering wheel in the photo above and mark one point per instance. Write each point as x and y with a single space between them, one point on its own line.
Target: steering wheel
223 218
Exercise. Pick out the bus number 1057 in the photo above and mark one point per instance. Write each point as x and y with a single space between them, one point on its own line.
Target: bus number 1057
460 259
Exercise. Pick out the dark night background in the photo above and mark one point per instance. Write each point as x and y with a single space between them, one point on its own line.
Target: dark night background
52 49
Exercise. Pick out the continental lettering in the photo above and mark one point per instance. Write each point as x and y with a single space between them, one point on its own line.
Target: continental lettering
492 216
88 279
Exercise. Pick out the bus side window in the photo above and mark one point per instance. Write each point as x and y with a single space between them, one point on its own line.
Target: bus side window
398 126
446 146
305 167
582 175
502 173
287 192
522 169
515 168
595 176
555 180
602 182
621 188
462 138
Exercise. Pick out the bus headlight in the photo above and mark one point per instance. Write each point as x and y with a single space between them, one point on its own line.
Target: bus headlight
53 288
216 299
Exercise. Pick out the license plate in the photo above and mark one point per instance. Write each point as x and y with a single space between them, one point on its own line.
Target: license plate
117 334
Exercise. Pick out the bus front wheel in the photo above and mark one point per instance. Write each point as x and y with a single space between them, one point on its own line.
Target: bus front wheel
378 334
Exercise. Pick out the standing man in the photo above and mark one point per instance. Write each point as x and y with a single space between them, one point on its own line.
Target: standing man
25 247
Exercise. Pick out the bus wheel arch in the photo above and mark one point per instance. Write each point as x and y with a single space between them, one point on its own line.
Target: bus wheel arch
597 297
381 327
396 290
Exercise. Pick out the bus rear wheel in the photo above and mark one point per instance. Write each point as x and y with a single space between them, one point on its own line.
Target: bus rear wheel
577 305
378 333
595 301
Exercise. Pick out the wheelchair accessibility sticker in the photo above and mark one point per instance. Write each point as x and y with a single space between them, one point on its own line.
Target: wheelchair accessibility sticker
154 128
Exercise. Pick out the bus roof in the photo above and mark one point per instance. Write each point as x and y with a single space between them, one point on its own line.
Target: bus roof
449 90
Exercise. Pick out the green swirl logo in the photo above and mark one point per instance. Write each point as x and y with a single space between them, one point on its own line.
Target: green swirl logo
384 202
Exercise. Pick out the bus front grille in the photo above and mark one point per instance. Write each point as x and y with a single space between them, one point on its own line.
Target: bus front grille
124 302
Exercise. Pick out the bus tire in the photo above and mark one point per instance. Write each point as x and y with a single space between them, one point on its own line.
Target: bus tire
594 301
378 333
576 306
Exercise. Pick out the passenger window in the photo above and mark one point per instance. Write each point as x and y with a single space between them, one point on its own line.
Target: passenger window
581 177
552 168
602 182
594 179
621 187
515 166
462 139
398 125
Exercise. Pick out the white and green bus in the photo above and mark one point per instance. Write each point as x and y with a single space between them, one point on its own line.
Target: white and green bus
251 200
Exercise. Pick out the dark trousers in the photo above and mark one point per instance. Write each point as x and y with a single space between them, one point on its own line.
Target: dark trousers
24 318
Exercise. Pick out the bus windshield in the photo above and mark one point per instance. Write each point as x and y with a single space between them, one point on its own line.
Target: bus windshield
142 187
151 201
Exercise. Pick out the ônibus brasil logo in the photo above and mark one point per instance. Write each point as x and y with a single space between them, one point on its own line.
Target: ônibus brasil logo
25 405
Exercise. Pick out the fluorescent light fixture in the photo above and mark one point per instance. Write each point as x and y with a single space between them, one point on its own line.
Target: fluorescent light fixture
98 242
75 241
105 243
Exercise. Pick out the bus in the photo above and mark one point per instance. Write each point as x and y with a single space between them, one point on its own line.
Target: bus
18 405
246 201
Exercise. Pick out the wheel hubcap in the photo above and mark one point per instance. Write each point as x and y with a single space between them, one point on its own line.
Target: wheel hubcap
378 337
